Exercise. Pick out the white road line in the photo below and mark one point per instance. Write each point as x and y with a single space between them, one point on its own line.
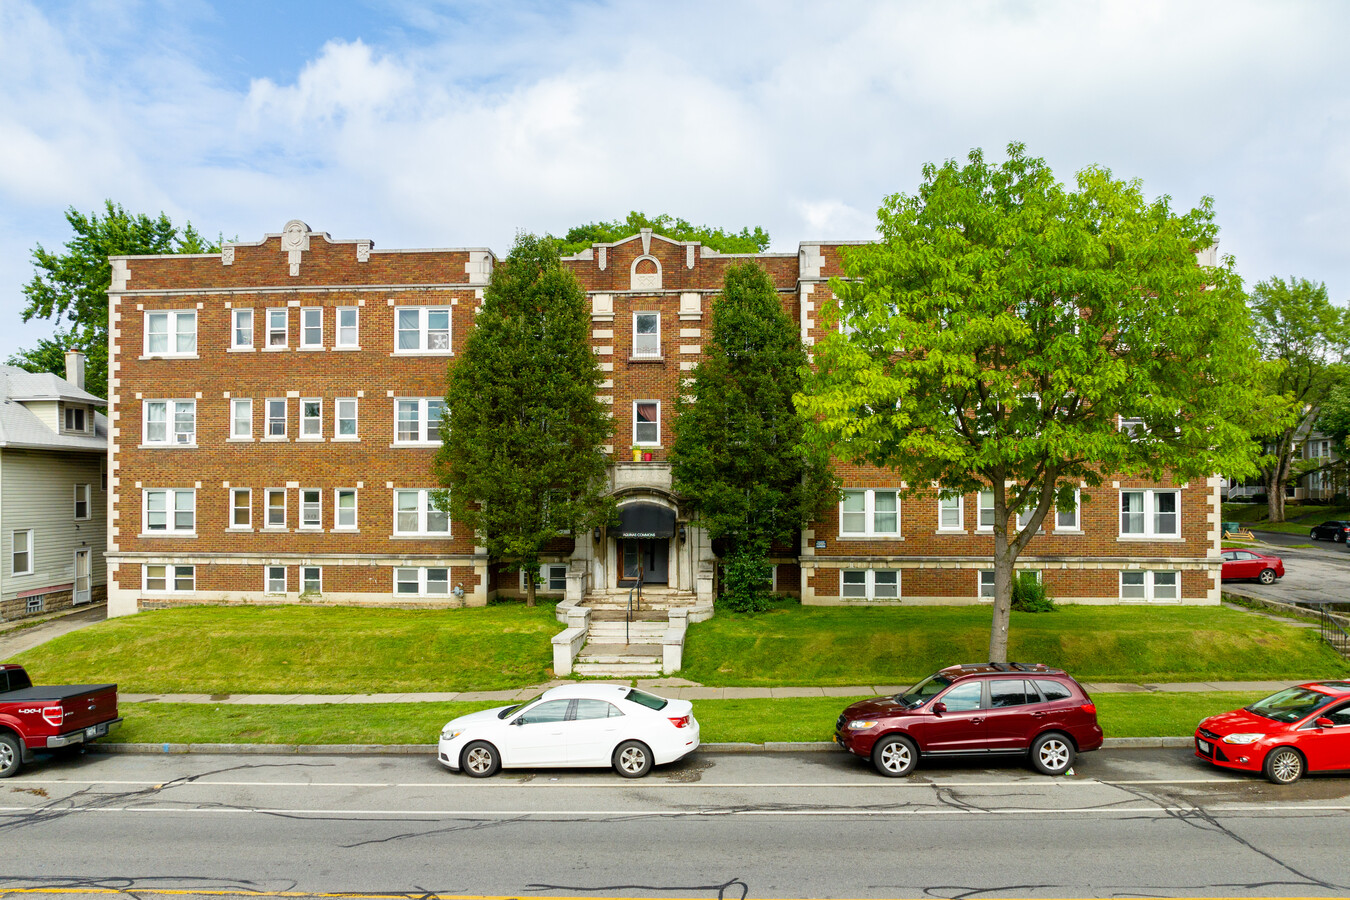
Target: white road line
676 814
454 782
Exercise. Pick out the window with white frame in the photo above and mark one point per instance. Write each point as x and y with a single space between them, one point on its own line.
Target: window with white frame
1024 517
646 334
647 423
276 508
241 508
1150 513
986 501
986 584
344 419
344 506
311 328
241 419
241 331
170 422
422 329
278 328
82 504
347 332
1150 586
870 584
417 420
415 512
276 418
951 512
1132 425
311 419
870 513
167 579
426 581
171 332
1067 517
170 510
21 552
552 578
275 579
311 508
311 580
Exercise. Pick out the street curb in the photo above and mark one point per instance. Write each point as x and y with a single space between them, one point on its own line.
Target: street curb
1139 743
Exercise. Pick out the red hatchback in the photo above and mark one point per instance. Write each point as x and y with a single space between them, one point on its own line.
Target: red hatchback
981 709
1300 729
1242 564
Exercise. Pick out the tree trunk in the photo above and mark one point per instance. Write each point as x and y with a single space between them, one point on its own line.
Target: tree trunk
1003 576
529 589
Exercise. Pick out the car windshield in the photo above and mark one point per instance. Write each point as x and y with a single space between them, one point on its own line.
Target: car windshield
642 698
924 691
1290 705
510 709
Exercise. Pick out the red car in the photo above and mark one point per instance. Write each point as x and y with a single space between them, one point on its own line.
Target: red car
1244 564
1300 729
50 717
975 710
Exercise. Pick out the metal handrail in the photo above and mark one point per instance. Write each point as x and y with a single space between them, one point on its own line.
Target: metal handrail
635 589
1334 633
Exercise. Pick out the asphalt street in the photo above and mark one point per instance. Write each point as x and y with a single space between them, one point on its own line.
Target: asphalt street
1311 574
1125 823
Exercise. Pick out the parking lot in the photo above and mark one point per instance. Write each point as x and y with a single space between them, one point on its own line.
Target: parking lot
1319 573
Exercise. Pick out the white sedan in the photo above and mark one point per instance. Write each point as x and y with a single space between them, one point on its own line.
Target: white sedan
572 726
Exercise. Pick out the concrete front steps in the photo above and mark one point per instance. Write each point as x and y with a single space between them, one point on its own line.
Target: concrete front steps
650 645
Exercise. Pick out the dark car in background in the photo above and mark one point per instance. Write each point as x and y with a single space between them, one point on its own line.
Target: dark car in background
1330 531
1297 730
981 709
1244 565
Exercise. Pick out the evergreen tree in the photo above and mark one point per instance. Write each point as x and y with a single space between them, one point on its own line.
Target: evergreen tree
522 434
74 284
738 453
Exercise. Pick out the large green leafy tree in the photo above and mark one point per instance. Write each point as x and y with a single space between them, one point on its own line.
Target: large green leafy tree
1004 323
73 286
523 432
1303 337
739 453
743 241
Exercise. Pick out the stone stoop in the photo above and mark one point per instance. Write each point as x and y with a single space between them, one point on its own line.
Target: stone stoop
639 651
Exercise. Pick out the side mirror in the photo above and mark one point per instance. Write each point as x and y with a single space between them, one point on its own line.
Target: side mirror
1324 722
518 720
939 708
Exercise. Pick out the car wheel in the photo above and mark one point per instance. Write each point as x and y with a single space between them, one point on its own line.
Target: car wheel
11 755
1337 537
1284 765
1267 576
895 755
1312 535
480 760
1052 754
632 759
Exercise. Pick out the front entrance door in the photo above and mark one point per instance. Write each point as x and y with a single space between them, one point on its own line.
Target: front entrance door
81 594
648 557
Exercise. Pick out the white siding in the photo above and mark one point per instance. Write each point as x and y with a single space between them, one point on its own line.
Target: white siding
47 411
37 491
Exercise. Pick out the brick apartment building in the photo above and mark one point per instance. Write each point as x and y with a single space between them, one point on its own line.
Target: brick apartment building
272 422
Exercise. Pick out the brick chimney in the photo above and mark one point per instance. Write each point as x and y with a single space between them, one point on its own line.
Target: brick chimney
75 368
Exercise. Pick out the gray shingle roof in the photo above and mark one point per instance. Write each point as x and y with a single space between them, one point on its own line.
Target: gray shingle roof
20 427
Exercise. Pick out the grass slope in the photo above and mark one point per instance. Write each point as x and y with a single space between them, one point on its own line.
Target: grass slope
796 645
305 649
1298 517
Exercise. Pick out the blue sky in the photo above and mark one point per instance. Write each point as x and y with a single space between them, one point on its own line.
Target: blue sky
451 124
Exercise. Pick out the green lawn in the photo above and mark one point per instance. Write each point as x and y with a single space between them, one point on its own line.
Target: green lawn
752 721
796 645
306 649
1298 518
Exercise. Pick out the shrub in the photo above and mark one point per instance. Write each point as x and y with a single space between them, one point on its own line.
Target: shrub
747 580
1028 595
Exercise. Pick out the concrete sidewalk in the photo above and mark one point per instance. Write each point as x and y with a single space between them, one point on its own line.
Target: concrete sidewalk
675 688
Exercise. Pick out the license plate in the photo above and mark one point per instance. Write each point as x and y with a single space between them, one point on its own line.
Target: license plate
1204 746
94 731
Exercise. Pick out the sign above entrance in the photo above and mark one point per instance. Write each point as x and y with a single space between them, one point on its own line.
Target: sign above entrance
646 520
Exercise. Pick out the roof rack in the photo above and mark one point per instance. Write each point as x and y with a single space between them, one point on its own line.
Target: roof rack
1018 667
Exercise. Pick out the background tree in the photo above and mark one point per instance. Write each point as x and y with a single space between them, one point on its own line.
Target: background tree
1002 326
74 285
523 430
1333 420
1306 336
743 241
739 453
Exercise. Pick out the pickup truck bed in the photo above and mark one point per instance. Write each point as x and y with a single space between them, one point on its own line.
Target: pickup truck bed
48 717
53 693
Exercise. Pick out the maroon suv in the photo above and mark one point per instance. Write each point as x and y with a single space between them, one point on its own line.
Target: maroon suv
978 709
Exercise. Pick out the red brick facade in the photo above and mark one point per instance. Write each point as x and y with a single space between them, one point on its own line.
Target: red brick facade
175 353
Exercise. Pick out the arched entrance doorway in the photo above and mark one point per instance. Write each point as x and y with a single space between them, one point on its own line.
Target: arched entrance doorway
642 543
